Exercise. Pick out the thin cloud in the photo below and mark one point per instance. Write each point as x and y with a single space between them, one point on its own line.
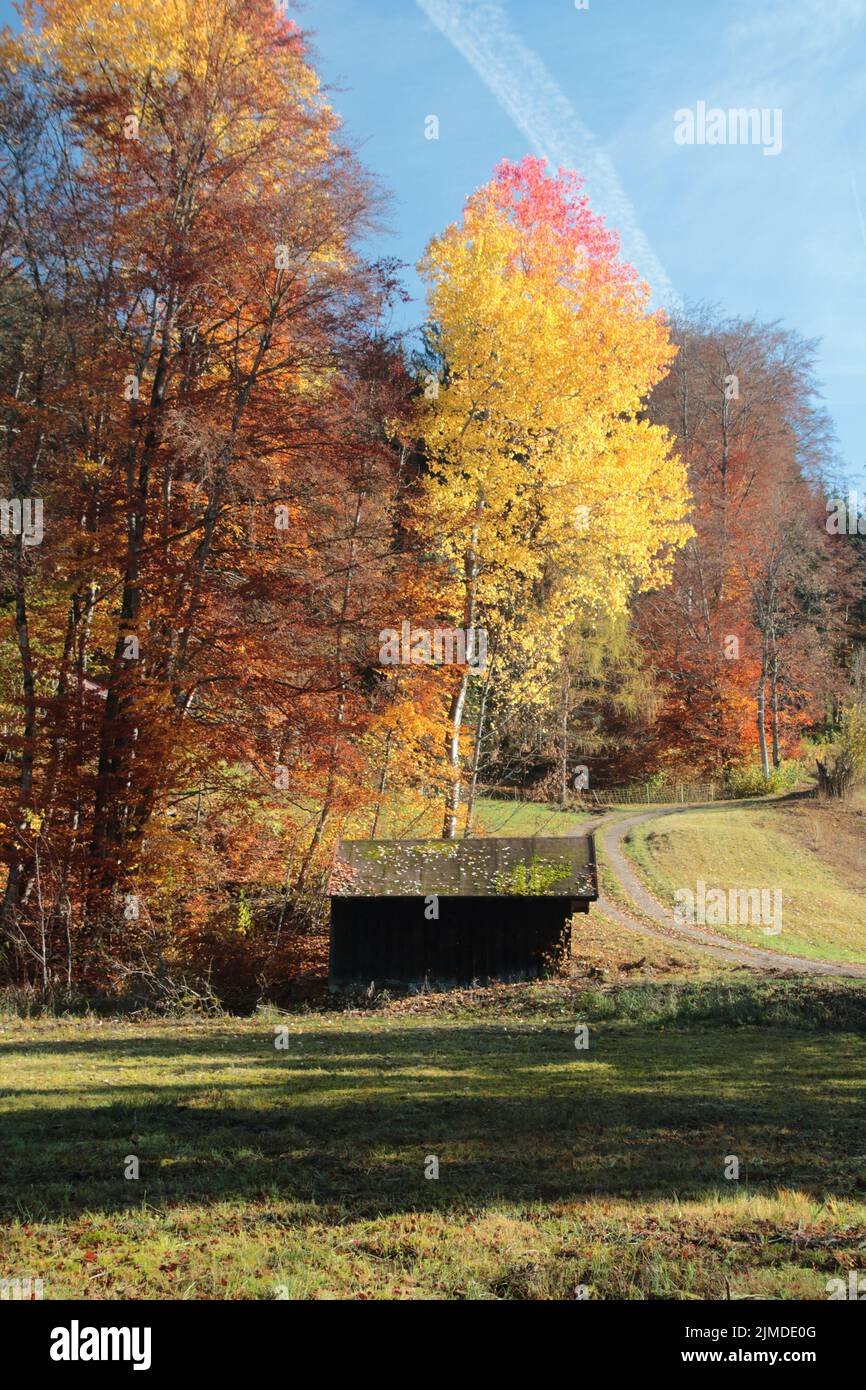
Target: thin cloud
771 38
530 95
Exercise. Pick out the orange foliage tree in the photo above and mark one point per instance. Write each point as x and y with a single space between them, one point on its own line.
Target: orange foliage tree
196 386
744 641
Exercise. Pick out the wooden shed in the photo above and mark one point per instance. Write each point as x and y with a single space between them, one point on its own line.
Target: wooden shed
441 913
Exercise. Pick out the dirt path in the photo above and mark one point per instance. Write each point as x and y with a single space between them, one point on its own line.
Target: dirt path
611 836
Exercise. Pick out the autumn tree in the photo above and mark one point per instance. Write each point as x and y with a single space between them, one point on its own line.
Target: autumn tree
743 640
195 384
544 475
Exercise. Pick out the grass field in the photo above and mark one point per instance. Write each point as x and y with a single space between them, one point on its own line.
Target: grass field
814 853
495 817
300 1172
492 816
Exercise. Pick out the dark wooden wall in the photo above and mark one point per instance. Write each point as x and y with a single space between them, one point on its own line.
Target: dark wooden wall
389 942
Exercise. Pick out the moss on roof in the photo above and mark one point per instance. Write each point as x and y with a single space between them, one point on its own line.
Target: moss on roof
546 866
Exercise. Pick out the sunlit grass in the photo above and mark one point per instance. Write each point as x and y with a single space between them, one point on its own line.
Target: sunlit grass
762 846
301 1171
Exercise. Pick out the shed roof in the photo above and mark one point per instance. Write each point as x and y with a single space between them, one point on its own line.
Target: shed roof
537 866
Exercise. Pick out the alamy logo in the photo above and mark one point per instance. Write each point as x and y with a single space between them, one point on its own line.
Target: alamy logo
445 646
855 1289
738 126
715 907
77 1343
22 1290
846 517
22 516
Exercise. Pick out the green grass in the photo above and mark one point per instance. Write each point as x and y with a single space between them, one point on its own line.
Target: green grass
300 1172
405 817
814 854
495 817
492 816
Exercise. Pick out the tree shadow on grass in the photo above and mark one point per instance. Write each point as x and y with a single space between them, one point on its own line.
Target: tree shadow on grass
345 1121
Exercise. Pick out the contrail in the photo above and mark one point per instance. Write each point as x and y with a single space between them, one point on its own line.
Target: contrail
533 99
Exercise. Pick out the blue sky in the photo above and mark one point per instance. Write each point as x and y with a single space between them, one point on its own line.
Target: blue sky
778 236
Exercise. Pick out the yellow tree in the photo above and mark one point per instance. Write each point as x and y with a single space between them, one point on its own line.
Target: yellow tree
545 478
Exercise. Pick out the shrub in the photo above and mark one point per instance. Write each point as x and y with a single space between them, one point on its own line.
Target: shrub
844 764
748 779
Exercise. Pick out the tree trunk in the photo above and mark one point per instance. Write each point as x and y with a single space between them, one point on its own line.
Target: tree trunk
452 748
774 704
16 874
458 698
25 780
328 801
837 781
476 757
762 713
564 761
383 779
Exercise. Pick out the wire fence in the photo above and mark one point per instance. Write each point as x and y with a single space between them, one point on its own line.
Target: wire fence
631 794
676 793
